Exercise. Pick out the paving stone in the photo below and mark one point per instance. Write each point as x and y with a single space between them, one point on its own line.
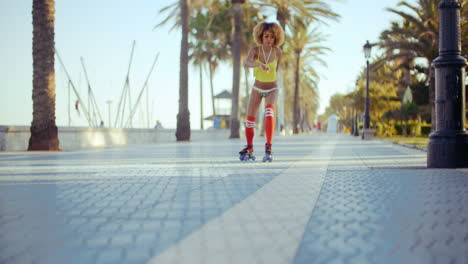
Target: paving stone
131 204
382 209
109 256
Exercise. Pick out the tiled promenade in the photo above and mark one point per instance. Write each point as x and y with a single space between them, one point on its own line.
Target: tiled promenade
324 199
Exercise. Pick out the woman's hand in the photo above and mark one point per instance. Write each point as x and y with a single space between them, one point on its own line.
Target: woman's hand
264 67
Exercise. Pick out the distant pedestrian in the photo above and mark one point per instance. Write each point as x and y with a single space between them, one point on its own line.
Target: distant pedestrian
264 58
216 123
158 125
223 124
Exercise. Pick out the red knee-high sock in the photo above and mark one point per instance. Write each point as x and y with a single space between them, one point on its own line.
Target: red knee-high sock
249 129
269 122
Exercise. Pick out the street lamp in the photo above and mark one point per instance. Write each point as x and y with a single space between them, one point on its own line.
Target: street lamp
367 54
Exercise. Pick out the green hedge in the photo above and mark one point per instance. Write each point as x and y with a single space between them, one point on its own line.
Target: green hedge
412 128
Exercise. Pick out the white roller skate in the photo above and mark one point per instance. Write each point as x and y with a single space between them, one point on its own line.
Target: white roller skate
268 154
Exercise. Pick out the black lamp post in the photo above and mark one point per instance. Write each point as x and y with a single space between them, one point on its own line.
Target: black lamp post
448 144
367 54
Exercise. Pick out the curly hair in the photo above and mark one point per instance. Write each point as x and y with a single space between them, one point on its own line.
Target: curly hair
274 27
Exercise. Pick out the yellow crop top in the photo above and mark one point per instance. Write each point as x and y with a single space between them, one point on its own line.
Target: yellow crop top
264 76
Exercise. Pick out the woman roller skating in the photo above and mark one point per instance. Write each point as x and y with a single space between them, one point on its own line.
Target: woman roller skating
264 58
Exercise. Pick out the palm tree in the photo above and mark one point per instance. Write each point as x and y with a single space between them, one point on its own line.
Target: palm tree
44 134
218 40
309 79
309 90
236 49
211 20
198 48
251 16
208 42
181 10
302 39
183 117
175 11
197 56
416 37
314 10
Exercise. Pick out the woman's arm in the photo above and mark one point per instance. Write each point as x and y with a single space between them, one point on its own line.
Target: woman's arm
279 55
251 63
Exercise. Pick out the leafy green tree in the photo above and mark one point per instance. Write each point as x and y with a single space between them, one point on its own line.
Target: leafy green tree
417 36
383 88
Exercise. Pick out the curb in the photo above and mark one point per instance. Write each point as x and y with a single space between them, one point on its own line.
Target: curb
404 145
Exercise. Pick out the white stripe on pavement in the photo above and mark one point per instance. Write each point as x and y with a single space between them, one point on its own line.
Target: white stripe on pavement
266 227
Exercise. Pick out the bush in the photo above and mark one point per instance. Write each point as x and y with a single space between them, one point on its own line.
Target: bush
379 128
425 129
416 129
412 128
398 128
385 129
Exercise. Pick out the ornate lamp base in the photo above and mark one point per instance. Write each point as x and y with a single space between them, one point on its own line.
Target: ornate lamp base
447 149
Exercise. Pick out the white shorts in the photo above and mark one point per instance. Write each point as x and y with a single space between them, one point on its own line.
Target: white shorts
262 92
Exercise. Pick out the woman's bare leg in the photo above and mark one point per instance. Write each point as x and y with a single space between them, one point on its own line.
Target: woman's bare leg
254 103
271 97
252 110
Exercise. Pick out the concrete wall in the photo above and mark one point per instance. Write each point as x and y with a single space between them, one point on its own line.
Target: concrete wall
15 138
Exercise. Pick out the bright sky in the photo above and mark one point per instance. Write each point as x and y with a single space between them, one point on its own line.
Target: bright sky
102 33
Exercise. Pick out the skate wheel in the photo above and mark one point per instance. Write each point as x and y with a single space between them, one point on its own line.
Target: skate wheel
253 158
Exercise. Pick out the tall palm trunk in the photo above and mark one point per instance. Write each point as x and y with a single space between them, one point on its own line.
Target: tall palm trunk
44 135
282 91
183 117
236 71
212 89
296 94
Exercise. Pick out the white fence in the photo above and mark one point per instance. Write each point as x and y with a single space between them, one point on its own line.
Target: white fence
15 138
